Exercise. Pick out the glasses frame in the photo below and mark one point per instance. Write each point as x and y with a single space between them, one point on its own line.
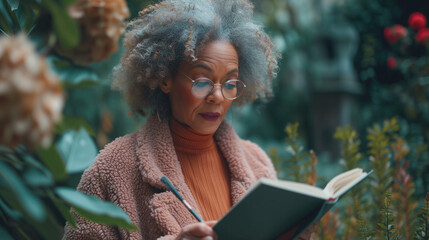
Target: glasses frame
217 84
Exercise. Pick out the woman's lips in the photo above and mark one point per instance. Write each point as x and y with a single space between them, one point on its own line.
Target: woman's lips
210 116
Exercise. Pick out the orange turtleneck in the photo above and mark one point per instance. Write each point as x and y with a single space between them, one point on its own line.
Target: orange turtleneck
204 169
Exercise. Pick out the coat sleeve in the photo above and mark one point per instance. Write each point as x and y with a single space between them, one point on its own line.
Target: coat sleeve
92 184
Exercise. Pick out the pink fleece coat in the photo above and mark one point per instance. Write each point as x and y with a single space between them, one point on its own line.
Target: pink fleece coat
128 172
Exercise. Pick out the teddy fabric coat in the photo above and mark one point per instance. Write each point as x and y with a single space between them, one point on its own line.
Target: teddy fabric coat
128 173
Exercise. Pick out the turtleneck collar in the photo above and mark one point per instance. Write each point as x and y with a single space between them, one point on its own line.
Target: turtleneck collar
188 140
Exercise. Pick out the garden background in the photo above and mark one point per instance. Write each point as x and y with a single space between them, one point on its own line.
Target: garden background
352 91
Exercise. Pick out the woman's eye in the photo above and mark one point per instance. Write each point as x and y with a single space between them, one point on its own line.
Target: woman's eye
202 83
230 85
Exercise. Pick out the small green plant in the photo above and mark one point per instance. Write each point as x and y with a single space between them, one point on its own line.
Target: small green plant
386 224
382 207
379 139
422 232
297 166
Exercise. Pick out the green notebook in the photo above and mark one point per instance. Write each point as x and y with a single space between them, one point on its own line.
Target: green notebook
272 207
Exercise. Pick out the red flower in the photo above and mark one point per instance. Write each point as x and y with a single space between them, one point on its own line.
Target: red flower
417 21
423 35
391 62
393 34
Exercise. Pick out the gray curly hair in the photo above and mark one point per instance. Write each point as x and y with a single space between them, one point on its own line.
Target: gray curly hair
173 30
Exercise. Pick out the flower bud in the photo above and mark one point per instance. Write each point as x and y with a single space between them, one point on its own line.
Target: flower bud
394 33
417 21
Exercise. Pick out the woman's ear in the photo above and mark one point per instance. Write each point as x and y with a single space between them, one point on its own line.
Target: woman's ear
166 85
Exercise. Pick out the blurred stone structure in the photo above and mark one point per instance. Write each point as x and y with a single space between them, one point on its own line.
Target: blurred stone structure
332 82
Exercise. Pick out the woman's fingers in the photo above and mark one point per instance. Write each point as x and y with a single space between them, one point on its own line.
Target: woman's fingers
210 223
197 231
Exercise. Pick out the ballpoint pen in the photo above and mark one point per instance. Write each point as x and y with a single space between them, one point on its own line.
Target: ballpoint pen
170 186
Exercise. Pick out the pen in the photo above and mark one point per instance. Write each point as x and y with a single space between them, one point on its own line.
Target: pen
167 182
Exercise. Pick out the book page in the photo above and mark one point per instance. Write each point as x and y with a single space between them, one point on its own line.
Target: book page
336 185
297 187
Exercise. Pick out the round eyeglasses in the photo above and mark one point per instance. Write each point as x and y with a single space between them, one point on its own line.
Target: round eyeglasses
203 87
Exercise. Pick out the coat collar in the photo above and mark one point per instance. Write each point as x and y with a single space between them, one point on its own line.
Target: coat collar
157 157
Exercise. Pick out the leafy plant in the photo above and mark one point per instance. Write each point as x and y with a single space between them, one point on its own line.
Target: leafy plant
297 166
386 225
423 229
37 185
382 207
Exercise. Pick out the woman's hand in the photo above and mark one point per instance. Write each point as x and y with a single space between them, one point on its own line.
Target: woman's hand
198 231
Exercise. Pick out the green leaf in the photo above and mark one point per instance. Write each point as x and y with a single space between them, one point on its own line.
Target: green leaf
14 20
290 150
78 149
96 209
65 27
9 211
5 21
63 209
73 76
4 235
26 17
73 123
17 195
4 149
37 178
53 160
14 4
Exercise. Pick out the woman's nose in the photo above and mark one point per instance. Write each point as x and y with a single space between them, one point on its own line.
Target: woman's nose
216 95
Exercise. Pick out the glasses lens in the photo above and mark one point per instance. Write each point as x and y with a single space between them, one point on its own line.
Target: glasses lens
232 89
202 87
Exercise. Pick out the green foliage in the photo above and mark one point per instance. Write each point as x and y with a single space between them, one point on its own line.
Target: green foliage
53 161
295 151
95 209
23 16
400 90
388 209
422 231
77 149
386 224
379 139
350 146
73 76
66 29
298 165
71 122
31 194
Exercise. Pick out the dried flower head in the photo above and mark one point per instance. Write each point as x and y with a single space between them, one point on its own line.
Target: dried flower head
31 98
101 25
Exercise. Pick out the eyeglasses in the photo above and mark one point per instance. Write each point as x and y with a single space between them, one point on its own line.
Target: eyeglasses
203 87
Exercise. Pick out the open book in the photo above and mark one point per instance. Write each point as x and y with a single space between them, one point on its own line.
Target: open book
271 208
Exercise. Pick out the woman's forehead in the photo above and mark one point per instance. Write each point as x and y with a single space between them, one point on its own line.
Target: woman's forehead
215 54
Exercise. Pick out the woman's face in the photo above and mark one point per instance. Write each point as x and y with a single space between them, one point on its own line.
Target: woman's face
218 62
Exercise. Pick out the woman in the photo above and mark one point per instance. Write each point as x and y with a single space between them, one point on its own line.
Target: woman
187 62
